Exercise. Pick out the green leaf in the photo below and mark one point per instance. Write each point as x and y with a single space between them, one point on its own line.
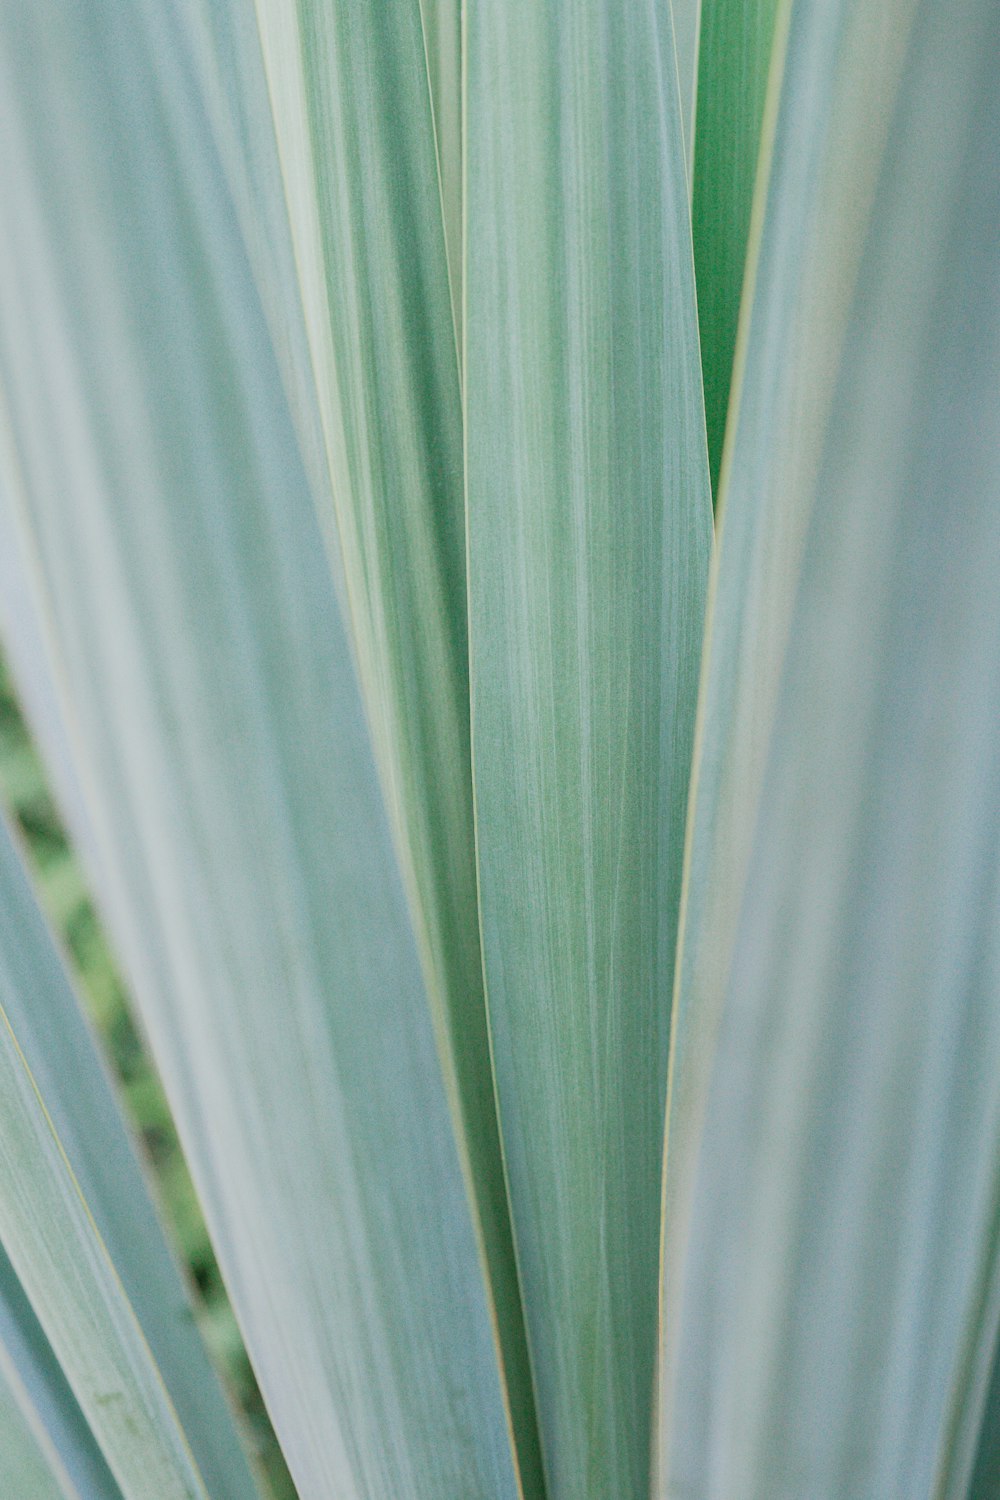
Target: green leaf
25 1469
60 1053
832 88
56 1250
838 1315
35 1389
733 60
356 140
247 866
589 534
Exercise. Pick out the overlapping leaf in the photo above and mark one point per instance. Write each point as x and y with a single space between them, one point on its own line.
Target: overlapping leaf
733 60
836 80
838 1314
52 1036
56 1250
48 1431
246 861
366 182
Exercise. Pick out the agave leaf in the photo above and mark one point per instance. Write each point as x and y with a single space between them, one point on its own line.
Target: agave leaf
355 131
733 61
56 1250
839 1309
43 1423
247 863
831 90
589 535
59 1051
26 1471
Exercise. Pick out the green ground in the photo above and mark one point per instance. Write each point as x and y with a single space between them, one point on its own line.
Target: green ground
64 895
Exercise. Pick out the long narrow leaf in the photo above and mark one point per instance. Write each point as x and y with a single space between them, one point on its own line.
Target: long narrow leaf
838 1318
589 534
33 1380
45 1016
64 1268
248 869
25 1470
353 115
826 127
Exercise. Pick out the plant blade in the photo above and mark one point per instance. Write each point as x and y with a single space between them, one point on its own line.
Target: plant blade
62 1058
61 1262
733 61
833 83
34 1383
589 533
247 865
843 1246
355 130
25 1470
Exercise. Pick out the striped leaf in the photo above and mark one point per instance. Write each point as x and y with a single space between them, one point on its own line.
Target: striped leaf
60 1259
839 1313
53 1038
42 1429
25 1469
589 534
837 75
355 131
246 859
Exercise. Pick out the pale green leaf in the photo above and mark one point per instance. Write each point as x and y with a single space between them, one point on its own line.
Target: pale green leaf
838 1315
33 1380
355 130
53 1036
589 534
247 865
834 81
56 1250
25 1470
733 60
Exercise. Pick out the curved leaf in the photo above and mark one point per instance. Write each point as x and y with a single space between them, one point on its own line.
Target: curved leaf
824 135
